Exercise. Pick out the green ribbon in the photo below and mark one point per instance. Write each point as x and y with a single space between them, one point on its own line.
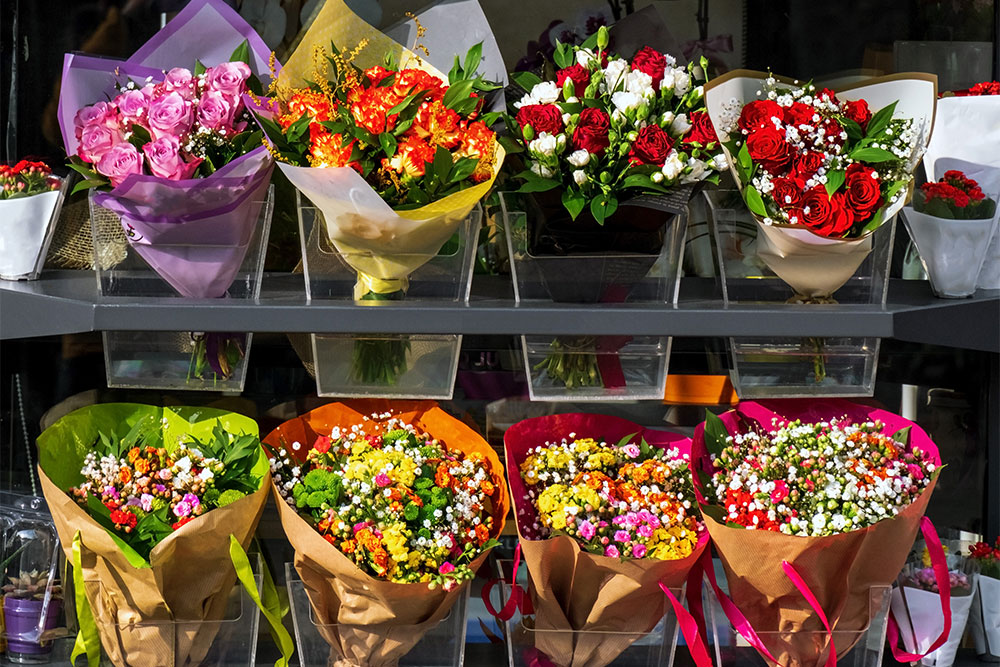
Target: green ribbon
87 639
270 606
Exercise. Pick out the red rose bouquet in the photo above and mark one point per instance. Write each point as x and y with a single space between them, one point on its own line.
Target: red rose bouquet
820 170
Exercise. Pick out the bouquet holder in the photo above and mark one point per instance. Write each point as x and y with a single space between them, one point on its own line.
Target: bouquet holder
227 261
527 644
415 365
26 228
442 646
778 367
984 619
619 367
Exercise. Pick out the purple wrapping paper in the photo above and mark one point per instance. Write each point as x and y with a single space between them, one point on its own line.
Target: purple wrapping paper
194 233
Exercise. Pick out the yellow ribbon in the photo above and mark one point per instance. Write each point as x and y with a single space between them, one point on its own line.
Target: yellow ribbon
270 606
87 639
368 283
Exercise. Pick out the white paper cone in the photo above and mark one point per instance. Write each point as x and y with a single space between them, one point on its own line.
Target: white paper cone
952 251
812 265
24 233
984 620
924 623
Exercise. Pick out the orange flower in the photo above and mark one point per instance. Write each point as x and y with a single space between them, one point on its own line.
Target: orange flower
124 475
412 80
411 157
488 487
348 546
376 74
479 142
437 124
133 454
482 533
306 102
141 466
329 150
442 477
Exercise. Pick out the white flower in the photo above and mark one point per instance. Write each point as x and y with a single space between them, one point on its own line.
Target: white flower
719 162
679 126
666 119
184 464
614 73
682 81
818 522
697 173
525 101
656 177
541 170
579 158
672 167
625 101
546 92
544 144
584 56
579 176
639 83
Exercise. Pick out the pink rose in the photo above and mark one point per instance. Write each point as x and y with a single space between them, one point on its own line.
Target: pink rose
170 114
382 479
587 530
179 80
132 104
446 568
228 78
611 551
95 141
101 113
119 162
645 530
163 156
215 111
622 536
638 550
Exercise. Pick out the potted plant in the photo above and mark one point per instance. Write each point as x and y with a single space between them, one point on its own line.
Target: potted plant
32 603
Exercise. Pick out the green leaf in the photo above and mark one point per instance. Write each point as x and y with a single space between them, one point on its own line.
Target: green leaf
457 92
854 131
242 53
407 101
754 201
389 144
199 68
88 184
590 42
335 126
472 59
834 179
563 55
462 169
526 80
743 158
715 433
574 202
902 436
643 181
602 207
715 512
880 120
535 183
442 164
403 127
455 73
869 154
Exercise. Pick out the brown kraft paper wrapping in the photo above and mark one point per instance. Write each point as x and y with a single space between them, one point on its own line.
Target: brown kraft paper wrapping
161 615
573 589
370 622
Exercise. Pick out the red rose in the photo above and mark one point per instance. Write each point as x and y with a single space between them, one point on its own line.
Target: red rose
864 191
701 130
805 165
786 193
579 74
859 112
828 94
759 113
833 131
591 133
799 114
651 146
541 118
825 215
322 444
768 148
651 62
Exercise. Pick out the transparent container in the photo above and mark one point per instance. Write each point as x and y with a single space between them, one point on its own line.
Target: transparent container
779 367
596 368
528 646
952 251
175 360
442 646
866 645
227 642
385 364
27 225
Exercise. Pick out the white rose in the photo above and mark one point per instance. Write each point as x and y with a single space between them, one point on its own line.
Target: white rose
625 101
544 144
525 101
682 81
579 176
679 126
672 167
541 170
579 158
546 92
614 73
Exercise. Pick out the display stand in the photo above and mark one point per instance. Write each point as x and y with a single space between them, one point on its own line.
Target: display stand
442 646
782 367
389 365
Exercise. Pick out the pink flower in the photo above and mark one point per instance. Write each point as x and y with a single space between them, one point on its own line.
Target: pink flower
170 114
446 568
915 471
215 111
587 530
228 78
780 491
95 141
611 551
163 157
179 80
192 500
645 530
146 502
382 479
182 509
622 536
132 104
101 113
631 450
638 550
120 162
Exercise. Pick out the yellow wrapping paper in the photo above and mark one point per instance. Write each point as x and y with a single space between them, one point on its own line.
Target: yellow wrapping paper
816 266
380 243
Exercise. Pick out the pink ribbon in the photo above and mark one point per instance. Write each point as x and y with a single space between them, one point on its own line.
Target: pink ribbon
940 565
717 44
518 597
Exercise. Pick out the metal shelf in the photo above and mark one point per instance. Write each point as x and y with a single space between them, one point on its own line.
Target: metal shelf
67 302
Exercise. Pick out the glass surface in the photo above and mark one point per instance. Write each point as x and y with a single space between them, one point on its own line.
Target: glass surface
442 646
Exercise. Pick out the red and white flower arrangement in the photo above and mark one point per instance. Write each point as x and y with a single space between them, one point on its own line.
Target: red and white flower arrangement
26 178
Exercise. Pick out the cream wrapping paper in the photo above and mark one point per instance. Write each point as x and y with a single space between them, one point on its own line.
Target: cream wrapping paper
816 266
383 245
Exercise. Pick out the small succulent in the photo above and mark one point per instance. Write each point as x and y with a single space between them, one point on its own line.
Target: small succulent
31 585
